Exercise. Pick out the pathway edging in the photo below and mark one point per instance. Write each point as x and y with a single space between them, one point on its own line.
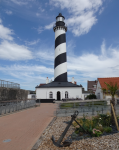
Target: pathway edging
37 144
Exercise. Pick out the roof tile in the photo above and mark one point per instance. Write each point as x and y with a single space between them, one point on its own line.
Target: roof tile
108 80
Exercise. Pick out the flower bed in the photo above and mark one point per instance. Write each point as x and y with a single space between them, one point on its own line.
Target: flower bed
94 127
108 142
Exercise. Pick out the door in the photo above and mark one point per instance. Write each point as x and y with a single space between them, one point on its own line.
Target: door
58 95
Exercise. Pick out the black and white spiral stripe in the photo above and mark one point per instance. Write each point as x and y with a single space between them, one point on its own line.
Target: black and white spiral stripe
60 64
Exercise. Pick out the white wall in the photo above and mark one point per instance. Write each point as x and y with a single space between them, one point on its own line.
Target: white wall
99 91
84 95
73 92
30 96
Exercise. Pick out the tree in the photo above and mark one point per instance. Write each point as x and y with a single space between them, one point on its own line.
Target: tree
112 89
91 96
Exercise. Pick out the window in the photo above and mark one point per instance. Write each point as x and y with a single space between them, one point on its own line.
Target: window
66 94
98 96
50 95
60 19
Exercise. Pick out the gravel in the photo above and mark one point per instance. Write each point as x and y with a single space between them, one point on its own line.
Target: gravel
106 142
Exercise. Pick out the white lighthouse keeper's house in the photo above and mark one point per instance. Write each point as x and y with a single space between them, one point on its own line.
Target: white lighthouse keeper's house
60 88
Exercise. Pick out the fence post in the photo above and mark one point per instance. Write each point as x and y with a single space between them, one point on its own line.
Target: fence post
92 111
65 112
5 108
1 110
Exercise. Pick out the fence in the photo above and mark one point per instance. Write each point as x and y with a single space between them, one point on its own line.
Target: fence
85 110
8 94
6 108
8 84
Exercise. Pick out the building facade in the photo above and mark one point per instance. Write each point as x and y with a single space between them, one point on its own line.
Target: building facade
91 86
100 84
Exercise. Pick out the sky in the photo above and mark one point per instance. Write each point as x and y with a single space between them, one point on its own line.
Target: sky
27 40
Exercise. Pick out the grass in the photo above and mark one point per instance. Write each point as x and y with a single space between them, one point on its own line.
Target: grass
71 105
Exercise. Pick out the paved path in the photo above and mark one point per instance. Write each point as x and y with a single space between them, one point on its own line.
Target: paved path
25 127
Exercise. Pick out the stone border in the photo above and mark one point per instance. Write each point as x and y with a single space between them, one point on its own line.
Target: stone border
37 144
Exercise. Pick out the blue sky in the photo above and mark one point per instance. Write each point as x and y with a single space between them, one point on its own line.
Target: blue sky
27 40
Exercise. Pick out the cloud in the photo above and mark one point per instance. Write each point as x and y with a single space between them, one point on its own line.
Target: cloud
0 21
25 71
32 42
5 33
50 26
77 7
28 76
92 66
19 2
37 14
101 10
40 29
82 14
80 25
88 66
8 12
41 9
35 68
103 48
14 52
45 55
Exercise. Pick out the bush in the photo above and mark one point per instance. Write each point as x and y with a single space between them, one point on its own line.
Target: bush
95 126
96 133
91 96
108 129
105 120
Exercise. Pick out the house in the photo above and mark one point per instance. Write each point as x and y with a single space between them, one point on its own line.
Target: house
31 95
100 84
91 86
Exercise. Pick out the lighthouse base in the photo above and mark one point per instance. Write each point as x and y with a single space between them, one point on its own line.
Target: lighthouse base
59 91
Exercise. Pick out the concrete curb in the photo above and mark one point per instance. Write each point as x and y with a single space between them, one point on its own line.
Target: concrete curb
37 144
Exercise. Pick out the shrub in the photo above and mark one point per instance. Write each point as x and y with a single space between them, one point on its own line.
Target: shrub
105 120
108 129
100 128
96 133
91 96
100 123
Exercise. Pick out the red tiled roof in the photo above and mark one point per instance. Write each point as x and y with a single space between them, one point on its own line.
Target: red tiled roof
41 84
108 80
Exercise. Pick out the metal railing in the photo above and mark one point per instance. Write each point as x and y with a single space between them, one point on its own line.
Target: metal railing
87 111
8 84
6 108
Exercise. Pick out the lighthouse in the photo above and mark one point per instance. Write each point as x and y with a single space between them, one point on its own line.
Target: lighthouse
60 88
60 62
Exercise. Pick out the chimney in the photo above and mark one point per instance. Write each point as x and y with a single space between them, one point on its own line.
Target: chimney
73 80
47 80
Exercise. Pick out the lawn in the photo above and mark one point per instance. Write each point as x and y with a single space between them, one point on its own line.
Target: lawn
71 105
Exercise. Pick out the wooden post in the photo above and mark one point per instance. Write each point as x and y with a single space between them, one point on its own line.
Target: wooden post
115 119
